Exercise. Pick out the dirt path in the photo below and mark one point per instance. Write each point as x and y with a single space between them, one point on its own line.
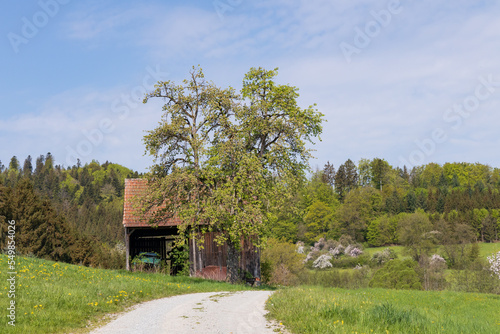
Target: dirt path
219 312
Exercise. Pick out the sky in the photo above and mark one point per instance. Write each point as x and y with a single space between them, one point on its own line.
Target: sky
411 82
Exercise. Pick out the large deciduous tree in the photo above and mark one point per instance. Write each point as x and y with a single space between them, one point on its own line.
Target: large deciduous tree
221 157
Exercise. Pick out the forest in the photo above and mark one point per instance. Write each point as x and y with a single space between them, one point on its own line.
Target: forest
69 214
368 201
74 214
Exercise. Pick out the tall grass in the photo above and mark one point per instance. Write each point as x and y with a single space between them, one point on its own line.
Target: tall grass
333 310
56 297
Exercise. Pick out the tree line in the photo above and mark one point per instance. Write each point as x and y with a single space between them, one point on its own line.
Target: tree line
368 202
71 214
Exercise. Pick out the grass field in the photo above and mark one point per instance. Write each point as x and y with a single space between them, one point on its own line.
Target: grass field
53 297
486 249
332 310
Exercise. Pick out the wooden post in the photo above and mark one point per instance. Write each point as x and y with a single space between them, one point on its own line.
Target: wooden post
127 247
127 250
194 255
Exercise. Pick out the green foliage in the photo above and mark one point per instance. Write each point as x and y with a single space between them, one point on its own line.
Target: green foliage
417 235
346 179
383 230
379 172
397 274
379 258
474 277
318 221
180 261
360 207
339 278
66 214
281 264
221 157
350 262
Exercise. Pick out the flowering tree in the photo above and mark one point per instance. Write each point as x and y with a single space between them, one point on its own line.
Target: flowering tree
322 262
494 261
221 156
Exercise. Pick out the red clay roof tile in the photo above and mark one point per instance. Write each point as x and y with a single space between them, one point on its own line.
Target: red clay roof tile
132 218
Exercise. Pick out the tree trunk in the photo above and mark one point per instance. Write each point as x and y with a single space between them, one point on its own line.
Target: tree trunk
232 262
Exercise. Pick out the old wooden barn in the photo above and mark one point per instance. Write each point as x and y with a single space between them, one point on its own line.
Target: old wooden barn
208 261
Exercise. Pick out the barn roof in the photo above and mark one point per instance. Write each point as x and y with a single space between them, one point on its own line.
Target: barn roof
131 216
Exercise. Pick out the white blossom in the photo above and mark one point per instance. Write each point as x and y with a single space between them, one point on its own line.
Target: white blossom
494 261
339 250
323 262
353 251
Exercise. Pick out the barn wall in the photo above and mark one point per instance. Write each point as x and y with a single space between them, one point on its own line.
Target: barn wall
209 259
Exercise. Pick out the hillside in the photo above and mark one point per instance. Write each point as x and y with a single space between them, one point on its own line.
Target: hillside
69 214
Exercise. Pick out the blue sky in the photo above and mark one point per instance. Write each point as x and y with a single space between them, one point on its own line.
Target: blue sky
408 81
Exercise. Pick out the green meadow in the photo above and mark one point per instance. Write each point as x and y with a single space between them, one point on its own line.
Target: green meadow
54 297
333 310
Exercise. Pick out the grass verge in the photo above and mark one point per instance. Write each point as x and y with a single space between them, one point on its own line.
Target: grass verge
53 297
332 310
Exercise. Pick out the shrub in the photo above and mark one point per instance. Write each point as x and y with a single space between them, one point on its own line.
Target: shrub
322 262
476 277
337 251
281 263
353 251
300 247
180 261
397 274
351 279
350 262
312 255
379 258
346 240
432 270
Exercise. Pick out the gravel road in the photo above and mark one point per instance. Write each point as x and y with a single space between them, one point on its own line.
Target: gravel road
213 312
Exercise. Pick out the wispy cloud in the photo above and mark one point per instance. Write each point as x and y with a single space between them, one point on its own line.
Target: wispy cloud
392 94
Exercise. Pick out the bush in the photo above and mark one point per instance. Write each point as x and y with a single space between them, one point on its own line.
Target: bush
351 279
350 262
379 258
353 251
180 261
281 263
476 277
432 271
397 274
322 262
